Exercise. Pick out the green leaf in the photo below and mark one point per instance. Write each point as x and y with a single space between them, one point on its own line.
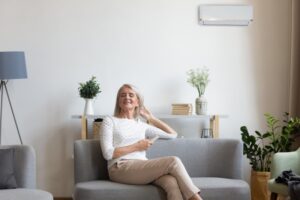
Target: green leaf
258 133
266 135
89 89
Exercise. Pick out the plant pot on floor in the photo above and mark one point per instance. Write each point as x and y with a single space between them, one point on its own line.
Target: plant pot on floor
259 185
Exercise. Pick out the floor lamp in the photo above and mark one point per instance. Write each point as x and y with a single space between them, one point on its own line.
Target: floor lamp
12 66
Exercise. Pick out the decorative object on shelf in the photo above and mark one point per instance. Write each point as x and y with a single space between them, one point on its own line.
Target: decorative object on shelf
198 78
260 147
206 133
201 105
88 107
89 90
12 66
97 127
182 109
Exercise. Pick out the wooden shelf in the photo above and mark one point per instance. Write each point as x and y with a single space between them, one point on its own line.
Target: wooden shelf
213 125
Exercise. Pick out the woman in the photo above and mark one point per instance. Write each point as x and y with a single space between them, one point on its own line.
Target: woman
123 141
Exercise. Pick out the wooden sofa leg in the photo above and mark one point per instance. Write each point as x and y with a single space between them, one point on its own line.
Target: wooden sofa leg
273 196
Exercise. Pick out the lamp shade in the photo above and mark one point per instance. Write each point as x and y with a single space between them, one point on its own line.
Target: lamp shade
12 65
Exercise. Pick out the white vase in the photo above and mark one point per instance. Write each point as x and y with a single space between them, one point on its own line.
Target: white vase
88 108
201 106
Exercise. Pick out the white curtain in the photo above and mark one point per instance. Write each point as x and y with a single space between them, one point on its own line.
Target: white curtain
294 100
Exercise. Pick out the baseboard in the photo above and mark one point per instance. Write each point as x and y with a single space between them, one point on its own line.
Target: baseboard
62 198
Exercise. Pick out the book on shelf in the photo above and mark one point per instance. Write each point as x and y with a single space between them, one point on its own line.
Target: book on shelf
182 109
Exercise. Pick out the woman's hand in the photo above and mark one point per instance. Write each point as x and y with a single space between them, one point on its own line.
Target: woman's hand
146 114
143 145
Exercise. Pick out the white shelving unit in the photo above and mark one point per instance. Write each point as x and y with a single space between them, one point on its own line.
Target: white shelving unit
188 126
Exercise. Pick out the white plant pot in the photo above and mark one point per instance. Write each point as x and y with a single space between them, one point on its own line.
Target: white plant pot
201 106
88 108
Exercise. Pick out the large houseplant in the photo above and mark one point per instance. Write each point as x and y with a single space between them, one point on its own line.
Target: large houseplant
198 78
89 90
260 147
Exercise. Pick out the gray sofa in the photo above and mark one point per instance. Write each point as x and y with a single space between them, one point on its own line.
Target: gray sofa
215 166
24 170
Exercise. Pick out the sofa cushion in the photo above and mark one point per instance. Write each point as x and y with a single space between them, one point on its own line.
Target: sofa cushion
109 190
223 188
7 176
202 157
211 188
25 194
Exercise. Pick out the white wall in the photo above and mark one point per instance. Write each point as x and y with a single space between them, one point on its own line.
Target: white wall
150 43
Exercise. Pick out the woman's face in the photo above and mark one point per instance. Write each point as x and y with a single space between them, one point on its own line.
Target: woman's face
128 99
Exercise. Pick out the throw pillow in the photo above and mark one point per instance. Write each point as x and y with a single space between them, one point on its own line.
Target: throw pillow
7 177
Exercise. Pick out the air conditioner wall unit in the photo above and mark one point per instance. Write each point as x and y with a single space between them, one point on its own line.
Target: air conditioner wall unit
225 14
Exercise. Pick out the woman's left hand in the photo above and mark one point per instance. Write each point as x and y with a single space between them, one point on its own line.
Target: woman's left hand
146 114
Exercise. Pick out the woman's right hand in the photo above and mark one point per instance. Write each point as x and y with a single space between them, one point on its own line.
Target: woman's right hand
143 145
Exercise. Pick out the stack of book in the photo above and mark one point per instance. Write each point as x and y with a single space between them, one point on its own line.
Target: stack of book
182 109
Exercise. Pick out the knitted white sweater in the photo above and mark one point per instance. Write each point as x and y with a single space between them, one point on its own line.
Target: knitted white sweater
117 132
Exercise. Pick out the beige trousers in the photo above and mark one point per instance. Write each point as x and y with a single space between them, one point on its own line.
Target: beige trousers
167 172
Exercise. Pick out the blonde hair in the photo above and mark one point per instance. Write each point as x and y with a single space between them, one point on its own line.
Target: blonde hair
138 95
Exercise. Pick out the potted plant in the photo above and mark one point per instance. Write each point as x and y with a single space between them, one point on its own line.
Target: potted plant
89 90
260 147
198 78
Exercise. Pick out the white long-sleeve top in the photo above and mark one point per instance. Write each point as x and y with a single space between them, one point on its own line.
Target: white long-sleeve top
119 132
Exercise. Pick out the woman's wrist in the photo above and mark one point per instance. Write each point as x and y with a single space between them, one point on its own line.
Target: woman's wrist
151 119
161 125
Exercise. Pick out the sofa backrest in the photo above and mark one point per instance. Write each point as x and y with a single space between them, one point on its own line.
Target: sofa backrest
89 163
282 161
201 157
24 165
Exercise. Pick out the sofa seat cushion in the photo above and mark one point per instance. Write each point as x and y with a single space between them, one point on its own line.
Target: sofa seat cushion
108 190
222 188
211 188
25 194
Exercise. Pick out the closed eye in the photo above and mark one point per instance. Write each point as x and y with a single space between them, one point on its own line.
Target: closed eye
129 94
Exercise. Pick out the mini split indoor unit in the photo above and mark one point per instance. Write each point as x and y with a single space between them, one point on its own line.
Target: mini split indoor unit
225 14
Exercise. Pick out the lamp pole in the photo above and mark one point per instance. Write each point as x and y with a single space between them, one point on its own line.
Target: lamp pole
12 66
2 87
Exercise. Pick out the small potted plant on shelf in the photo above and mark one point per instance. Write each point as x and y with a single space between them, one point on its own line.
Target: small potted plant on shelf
260 147
89 90
198 78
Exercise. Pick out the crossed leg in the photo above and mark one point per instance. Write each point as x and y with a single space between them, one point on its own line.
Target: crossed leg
148 171
169 184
